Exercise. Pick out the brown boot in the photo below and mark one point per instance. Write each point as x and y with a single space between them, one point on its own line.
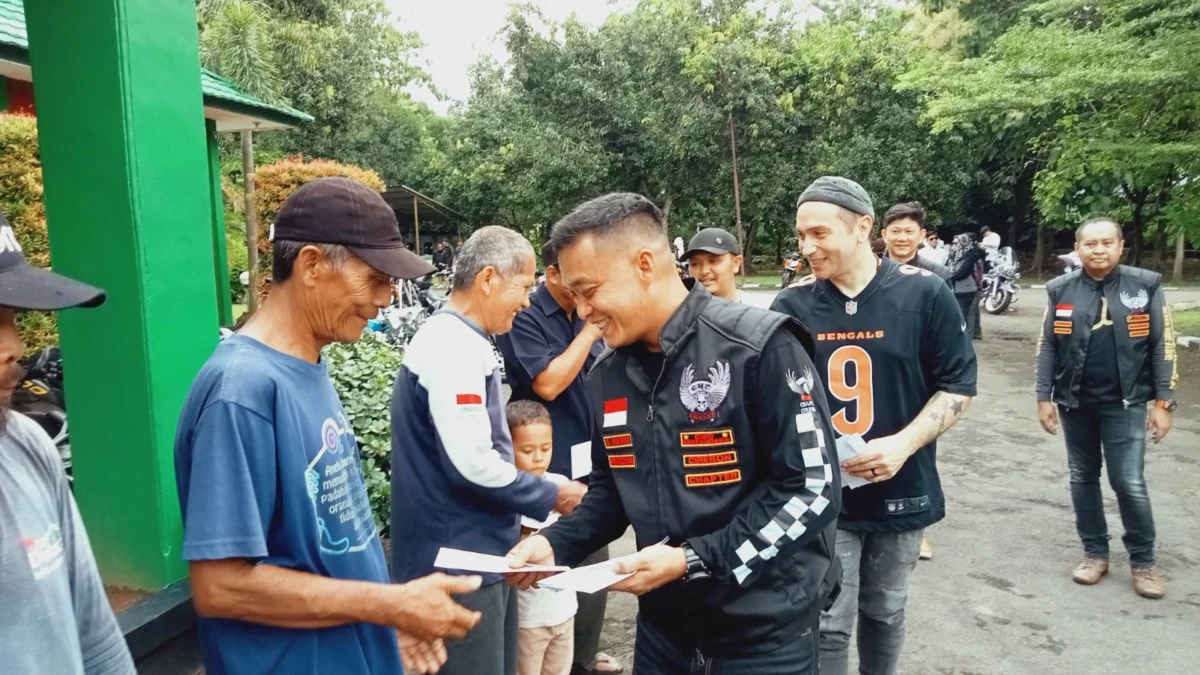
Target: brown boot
1090 570
1148 583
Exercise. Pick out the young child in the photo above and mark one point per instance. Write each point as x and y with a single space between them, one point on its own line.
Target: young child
547 617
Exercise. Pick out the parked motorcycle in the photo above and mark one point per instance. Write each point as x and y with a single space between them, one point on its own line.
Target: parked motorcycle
1070 262
1000 289
40 397
790 267
415 302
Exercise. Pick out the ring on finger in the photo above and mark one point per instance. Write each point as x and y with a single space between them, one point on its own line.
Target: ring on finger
874 472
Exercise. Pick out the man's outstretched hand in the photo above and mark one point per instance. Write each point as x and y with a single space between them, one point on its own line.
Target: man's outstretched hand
534 550
424 609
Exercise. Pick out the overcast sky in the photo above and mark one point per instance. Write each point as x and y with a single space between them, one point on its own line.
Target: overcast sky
456 32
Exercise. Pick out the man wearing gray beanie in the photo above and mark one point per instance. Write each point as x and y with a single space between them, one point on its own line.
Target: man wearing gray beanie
899 370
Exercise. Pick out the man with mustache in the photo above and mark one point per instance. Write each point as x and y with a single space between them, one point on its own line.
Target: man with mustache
56 616
1107 349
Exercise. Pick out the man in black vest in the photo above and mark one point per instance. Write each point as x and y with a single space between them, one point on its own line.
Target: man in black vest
713 441
1107 348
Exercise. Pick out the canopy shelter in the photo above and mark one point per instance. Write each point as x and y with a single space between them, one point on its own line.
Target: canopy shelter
423 220
226 106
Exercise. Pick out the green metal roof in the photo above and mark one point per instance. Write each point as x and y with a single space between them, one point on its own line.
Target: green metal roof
219 93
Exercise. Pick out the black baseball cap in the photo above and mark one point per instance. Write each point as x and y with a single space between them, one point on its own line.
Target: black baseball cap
712 240
340 210
23 286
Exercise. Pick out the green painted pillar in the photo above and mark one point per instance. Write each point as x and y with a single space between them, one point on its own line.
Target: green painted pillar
121 126
220 255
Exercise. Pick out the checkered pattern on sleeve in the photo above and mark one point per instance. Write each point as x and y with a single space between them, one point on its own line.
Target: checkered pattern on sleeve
791 521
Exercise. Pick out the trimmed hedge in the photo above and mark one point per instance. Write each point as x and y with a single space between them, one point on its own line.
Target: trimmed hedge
21 202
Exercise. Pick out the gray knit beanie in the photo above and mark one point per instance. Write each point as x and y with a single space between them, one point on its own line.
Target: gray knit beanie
841 191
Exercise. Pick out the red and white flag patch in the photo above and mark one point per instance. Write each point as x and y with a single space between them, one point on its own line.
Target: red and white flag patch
468 399
1063 311
616 412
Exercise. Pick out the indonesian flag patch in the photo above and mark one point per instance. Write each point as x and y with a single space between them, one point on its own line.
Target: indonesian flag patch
468 399
1063 311
616 412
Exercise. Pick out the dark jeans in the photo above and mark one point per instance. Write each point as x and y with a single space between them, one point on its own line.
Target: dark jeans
589 621
491 647
654 654
978 313
969 304
1121 433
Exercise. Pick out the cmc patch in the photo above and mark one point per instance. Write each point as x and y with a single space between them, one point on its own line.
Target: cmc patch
624 461
697 460
713 438
1139 325
618 441
1137 302
715 478
702 397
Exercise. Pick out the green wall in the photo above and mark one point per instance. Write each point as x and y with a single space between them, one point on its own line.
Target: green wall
129 204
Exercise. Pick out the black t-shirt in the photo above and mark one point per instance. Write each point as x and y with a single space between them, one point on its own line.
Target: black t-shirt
882 355
1101 382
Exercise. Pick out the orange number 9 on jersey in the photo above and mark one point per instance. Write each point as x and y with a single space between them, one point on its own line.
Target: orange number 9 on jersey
860 393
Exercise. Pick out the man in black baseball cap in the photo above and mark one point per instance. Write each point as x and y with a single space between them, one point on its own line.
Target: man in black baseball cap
268 473
714 259
341 211
57 616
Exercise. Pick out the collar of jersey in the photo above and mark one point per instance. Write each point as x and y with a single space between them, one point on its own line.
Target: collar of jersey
884 267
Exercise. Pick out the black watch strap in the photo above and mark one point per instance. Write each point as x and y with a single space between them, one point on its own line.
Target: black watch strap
696 569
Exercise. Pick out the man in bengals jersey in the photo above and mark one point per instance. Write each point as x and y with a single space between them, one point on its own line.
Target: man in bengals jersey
899 369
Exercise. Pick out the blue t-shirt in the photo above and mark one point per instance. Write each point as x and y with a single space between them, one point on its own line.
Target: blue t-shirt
267 469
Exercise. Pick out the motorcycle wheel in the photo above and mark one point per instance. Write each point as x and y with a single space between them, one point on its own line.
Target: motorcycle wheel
788 275
997 302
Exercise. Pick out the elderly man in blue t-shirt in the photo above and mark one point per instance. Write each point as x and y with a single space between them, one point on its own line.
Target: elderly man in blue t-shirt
288 574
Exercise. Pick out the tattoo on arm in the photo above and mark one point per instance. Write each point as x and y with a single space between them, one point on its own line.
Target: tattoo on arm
941 413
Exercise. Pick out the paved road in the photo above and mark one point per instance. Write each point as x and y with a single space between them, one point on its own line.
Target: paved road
997 598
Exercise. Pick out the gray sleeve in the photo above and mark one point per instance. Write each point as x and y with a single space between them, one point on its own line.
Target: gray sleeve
1162 333
101 644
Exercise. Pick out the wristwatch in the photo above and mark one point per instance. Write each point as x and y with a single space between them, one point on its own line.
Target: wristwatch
696 569
1169 404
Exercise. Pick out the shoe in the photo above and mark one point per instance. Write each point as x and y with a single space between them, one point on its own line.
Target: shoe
1090 571
926 551
1148 583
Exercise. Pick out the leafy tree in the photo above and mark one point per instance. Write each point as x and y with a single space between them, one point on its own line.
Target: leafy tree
1111 88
